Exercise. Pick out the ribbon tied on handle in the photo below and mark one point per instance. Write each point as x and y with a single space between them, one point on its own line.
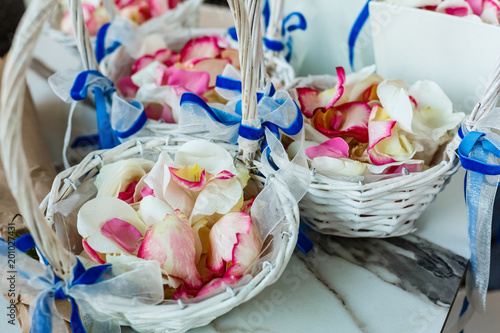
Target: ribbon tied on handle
89 290
480 155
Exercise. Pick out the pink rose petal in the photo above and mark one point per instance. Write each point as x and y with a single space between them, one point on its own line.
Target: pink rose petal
223 238
379 130
340 87
194 172
167 57
157 111
245 252
215 284
233 55
213 67
146 191
122 232
379 159
223 175
336 148
202 47
127 87
457 11
142 62
411 168
171 243
128 194
476 6
91 253
309 101
196 82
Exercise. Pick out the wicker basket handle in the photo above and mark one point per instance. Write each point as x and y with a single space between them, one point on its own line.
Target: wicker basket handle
82 38
248 25
13 154
489 98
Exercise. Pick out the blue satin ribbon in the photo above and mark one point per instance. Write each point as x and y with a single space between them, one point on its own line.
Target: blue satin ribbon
288 26
244 131
474 151
42 316
103 90
355 30
101 51
227 83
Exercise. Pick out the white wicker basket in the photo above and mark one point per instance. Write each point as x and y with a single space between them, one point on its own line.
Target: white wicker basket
167 316
185 14
383 208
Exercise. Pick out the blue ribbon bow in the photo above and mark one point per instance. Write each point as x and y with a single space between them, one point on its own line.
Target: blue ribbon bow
356 29
474 151
103 90
56 289
244 131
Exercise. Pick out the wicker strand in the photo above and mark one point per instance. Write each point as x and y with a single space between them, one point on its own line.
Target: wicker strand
82 38
489 98
13 155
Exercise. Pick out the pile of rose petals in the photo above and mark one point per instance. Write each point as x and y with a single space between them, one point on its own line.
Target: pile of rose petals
367 125
486 10
188 214
139 11
159 80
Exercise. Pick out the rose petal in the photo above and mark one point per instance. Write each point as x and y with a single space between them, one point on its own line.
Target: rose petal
201 231
213 67
142 63
245 252
223 238
202 47
135 14
344 167
219 196
164 188
147 191
216 284
91 252
171 242
206 274
153 210
454 7
476 6
391 149
309 101
166 56
95 213
128 194
336 147
339 89
191 178
115 177
157 111
123 233
209 156
232 54
196 82
127 87
396 103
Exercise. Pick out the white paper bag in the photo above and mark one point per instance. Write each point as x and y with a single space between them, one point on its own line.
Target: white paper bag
415 44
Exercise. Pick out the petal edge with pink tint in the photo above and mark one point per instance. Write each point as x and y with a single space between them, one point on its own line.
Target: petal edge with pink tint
91 252
223 238
192 178
202 47
309 101
340 87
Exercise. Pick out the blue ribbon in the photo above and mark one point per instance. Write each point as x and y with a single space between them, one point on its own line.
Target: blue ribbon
227 83
42 315
474 151
101 51
244 131
103 90
355 30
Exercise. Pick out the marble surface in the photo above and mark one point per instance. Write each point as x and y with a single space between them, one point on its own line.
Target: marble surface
344 285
